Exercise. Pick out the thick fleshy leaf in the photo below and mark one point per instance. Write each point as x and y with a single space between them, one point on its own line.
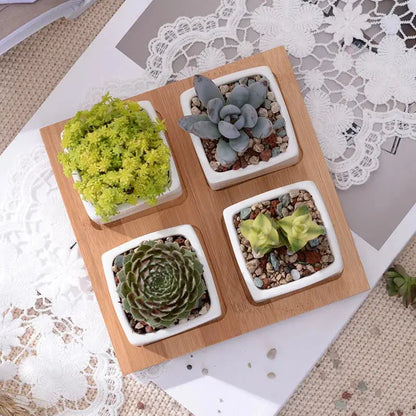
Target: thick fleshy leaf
240 144
261 234
229 110
225 155
188 122
213 109
239 124
299 228
206 130
257 93
262 129
239 96
206 89
228 130
250 115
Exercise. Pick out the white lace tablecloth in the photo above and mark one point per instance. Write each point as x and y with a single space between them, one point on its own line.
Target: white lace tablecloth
356 65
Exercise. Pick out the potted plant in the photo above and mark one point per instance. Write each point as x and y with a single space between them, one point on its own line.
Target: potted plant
161 285
283 240
239 125
119 159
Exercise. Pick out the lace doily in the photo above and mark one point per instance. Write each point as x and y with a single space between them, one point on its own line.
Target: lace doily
355 62
54 349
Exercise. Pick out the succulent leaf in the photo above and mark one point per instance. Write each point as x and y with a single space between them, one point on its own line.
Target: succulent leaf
206 89
250 115
229 110
188 122
225 154
261 234
239 96
228 130
239 124
299 228
213 109
240 144
399 283
161 283
257 93
206 130
263 128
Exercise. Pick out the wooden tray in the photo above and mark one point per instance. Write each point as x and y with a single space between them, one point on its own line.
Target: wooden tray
202 207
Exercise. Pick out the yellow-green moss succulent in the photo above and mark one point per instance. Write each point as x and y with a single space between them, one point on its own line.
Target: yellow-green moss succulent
116 149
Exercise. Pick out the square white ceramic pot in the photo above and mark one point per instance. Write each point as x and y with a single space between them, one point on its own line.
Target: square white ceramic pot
335 268
219 180
124 210
214 311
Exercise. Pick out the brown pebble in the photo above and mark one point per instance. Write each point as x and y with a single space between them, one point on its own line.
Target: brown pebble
265 155
237 165
346 395
271 354
312 257
271 375
140 405
265 282
148 329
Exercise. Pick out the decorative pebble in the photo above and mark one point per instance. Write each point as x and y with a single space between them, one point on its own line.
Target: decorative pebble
243 81
196 101
224 89
195 110
273 261
279 208
362 386
294 193
254 160
271 355
258 282
340 404
258 147
204 309
275 151
270 95
275 107
271 375
204 371
279 123
214 164
267 104
285 199
245 213
252 265
251 81
282 133
262 112
314 243
118 262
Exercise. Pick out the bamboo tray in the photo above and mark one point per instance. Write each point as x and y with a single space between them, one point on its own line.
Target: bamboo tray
202 207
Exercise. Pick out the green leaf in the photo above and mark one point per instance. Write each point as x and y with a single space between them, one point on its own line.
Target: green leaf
400 283
299 228
261 234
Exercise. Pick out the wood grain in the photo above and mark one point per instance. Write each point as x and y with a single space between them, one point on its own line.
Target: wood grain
202 207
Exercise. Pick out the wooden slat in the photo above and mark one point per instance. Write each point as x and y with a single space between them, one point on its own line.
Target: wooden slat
202 208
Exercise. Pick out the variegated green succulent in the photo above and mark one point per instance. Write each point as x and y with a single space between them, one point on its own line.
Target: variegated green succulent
160 282
299 228
229 119
293 231
261 234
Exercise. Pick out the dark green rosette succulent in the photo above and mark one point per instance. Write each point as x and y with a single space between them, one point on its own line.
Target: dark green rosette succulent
160 283
399 283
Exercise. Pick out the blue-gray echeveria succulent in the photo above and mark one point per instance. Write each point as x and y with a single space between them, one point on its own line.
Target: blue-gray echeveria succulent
228 119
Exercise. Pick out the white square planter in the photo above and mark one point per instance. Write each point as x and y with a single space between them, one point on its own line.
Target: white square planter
260 295
124 210
219 180
136 339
